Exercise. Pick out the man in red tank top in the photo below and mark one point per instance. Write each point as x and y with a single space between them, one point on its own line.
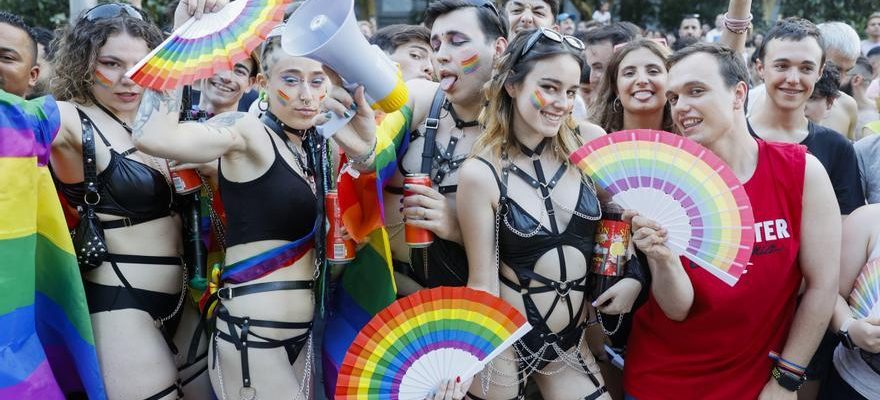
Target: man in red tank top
697 337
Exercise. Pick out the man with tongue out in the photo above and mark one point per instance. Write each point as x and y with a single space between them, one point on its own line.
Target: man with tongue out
466 37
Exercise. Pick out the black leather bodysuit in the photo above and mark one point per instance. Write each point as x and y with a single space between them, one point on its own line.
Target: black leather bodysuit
522 240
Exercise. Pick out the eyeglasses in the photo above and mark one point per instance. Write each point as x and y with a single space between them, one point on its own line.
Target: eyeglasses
555 36
112 10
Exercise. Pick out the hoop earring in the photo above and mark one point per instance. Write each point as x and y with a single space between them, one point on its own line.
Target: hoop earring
616 105
263 101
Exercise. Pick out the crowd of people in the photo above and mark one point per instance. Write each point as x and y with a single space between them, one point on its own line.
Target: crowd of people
499 97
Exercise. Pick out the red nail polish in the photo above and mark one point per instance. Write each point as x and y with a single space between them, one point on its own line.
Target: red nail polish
457 379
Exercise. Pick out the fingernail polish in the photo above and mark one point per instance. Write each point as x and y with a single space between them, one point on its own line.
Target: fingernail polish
406 186
328 114
346 114
457 379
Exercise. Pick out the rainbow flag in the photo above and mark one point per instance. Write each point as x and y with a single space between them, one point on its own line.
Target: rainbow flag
47 347
367 284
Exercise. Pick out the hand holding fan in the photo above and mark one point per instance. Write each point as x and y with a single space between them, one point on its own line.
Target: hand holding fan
864 301
202 47
682 186
433 335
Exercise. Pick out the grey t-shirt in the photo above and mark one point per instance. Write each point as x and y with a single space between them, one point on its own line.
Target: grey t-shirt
856 372
868 153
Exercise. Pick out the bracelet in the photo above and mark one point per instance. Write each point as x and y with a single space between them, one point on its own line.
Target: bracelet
362 160
737 26
781 362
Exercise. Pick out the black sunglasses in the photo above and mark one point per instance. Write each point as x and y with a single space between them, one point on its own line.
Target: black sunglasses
112 10
555 36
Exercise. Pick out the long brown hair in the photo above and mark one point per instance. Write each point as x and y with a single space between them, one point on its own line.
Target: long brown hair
77 51
604 111
512 69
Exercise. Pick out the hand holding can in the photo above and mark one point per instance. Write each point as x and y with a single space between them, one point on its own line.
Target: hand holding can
417 237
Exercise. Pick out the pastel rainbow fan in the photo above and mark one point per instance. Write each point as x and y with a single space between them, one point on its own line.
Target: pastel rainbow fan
682 186
202 47
417 342
864 301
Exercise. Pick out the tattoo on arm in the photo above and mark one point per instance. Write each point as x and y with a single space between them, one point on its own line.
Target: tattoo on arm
152 102
226 120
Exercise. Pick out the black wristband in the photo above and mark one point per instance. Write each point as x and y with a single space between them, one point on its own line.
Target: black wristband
788 379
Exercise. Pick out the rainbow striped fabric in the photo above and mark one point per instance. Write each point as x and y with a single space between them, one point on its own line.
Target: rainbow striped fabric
47 347
367 284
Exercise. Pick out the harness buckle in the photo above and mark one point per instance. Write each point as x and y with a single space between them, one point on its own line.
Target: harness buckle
225 293
432 123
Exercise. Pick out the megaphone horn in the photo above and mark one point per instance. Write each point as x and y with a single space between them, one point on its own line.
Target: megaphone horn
327 31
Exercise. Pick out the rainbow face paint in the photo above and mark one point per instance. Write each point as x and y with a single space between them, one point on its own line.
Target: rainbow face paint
471 64
283 98
102 80
537 99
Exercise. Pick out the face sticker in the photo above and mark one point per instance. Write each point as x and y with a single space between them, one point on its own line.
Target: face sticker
538 101
471 64
102 80
283 98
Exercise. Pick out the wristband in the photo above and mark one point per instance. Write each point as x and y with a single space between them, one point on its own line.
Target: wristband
363 159
786 364
737 26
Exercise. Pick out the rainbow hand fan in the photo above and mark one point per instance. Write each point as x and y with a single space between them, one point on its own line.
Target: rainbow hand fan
200 48
864 301
417 342
682 186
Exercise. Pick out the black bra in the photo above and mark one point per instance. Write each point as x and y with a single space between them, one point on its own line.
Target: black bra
520 252
128 188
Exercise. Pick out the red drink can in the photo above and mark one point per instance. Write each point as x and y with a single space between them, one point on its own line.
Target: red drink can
338 249
610 251
417 237
186 181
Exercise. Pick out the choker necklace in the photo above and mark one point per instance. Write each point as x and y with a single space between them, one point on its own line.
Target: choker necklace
278 127
111 115
459 123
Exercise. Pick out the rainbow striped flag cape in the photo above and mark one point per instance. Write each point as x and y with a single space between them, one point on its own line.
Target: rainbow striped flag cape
47 347
367 284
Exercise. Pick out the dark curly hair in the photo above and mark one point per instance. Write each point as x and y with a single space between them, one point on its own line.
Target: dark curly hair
76 51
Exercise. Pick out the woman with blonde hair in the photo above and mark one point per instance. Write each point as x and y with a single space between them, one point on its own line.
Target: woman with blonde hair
528 218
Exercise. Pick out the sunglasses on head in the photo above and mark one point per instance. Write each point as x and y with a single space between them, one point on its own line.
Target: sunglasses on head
112 10
555 36
491 6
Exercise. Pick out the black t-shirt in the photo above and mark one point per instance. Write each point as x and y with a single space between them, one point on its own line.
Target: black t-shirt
836 154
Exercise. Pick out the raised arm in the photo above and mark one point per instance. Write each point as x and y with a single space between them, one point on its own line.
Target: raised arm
476 216
737 10
157 130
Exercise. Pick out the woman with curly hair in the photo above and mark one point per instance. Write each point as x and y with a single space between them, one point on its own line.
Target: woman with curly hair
135 295
528 218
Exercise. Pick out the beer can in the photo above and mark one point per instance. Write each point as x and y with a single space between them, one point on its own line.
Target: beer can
417 237
610 250
186 181
338 249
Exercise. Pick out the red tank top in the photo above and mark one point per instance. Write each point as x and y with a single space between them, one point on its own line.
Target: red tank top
720 350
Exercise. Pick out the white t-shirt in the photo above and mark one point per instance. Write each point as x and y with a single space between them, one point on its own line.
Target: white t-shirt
603 17
714 36
867 45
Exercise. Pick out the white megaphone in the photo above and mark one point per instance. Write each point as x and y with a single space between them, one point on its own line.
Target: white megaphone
327 31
